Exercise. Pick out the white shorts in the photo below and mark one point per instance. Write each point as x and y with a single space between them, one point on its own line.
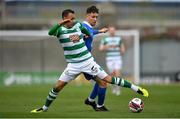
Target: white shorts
89 66
114 65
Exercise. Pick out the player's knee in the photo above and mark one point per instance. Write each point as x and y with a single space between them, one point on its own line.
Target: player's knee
103 84
60 85
108 79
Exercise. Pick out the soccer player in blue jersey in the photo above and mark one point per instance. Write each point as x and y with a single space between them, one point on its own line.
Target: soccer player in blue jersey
99 88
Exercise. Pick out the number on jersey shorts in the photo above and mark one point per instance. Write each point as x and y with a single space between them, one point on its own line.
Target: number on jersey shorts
114 65
88 66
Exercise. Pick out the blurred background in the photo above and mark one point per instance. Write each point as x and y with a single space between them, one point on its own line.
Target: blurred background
29 56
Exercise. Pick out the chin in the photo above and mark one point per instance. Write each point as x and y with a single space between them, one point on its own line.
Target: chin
93 24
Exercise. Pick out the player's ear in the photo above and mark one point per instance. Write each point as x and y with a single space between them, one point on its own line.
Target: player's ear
87 15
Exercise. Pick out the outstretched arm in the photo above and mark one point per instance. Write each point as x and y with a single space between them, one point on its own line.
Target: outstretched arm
53 30
103 30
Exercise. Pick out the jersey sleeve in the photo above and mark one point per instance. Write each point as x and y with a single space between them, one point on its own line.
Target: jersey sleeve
84 30
54 30
95 32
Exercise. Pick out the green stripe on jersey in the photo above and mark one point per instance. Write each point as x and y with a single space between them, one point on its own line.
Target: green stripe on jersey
112 56
111 51
69 48
77 55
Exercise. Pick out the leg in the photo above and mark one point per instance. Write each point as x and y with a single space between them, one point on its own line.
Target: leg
68 74
101 95
95 69
98 89
51 96
124 83
115 88
95 88
114 67
91 99
53 93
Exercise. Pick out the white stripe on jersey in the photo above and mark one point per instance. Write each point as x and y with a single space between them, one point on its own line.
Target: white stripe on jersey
75 51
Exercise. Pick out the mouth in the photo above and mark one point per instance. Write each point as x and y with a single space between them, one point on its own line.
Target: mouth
94 23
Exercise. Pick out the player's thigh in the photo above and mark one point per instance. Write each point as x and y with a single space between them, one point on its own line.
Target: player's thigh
94 69
89 77
70 73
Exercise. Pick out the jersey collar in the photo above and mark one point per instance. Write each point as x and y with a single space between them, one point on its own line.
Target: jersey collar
85 22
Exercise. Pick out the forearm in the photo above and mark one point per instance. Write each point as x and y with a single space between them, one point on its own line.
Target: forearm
104 47
85 31
54 29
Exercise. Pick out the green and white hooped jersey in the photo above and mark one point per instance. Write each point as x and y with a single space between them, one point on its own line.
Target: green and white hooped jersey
112 53
73 52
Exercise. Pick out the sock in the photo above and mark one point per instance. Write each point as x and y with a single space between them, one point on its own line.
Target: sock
94 91
124 83
134 87
100 105
45 108
50 98
101 95
90 100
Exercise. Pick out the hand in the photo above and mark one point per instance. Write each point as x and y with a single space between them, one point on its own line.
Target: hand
61 22
103 30
74 38
86 36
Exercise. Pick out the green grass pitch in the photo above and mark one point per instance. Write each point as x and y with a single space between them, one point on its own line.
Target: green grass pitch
18 101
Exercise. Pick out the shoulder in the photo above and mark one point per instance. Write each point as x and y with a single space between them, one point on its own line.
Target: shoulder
78 24
60 29
105 39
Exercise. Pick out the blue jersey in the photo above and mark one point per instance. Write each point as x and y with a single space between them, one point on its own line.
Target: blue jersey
89 40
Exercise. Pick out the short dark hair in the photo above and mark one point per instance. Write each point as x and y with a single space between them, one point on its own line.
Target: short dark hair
66 12
92 9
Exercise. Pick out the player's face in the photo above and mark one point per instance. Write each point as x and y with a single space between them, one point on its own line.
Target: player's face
112 31
70 16
92 18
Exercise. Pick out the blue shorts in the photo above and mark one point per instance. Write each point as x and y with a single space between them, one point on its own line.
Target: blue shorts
89 77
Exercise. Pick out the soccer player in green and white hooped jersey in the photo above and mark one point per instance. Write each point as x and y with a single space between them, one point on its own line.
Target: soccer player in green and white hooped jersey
114 48
79 59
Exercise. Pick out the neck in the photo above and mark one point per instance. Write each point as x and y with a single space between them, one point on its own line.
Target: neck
67 26
89 22
112 35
